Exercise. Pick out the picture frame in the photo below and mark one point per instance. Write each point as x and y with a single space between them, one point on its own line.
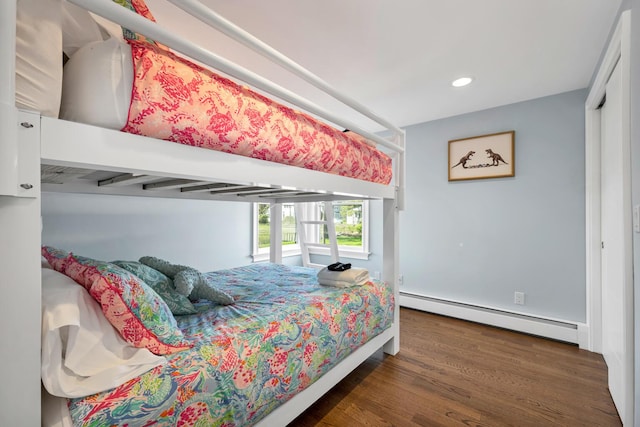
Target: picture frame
482 157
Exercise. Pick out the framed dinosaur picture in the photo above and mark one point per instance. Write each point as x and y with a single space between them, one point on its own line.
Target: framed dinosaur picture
485 156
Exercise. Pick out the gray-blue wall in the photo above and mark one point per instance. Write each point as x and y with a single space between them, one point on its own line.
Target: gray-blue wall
207 235
479 241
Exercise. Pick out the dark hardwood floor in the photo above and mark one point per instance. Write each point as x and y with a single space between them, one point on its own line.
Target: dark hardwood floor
450 372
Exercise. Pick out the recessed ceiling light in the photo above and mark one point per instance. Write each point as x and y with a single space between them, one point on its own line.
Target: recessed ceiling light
462 81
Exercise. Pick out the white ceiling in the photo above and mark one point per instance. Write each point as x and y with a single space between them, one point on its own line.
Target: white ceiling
398 57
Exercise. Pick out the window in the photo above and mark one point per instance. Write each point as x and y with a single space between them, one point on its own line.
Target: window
262 231
351 219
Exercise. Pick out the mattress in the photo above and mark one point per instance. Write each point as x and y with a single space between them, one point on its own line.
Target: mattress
142 88
283 332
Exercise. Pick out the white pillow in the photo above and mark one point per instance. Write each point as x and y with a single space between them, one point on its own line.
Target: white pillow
39 56
54 411
40 42
97 85
44 263
82 353
78 28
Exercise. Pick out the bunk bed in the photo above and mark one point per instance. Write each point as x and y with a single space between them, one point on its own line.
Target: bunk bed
42 153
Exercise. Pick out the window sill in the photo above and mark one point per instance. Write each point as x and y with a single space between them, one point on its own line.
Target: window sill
344 253
264 256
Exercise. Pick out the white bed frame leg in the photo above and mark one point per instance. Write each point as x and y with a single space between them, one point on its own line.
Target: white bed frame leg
390 267
20 305
275 233
20 308
8 111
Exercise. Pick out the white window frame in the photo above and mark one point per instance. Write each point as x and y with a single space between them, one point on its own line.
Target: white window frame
312 212
262 254
345 251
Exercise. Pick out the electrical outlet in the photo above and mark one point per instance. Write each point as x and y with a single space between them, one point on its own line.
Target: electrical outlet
400 280
376 275
518 298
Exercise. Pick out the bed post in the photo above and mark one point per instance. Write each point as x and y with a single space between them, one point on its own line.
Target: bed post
390 268
8 112
391 240
275 233
20 242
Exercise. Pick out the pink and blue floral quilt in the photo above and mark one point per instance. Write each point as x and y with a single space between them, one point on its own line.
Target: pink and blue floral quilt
283 332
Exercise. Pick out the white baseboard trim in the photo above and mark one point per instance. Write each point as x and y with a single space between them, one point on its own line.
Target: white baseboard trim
555 329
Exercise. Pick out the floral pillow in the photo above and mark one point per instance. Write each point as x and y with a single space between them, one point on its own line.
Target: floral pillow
138 313
177 303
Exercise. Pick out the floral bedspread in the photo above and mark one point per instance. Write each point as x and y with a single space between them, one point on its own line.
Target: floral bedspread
176 100
283 332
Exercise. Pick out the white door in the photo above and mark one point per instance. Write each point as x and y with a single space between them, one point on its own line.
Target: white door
617 297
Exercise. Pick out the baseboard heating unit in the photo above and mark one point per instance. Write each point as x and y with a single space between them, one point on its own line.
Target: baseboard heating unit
544 327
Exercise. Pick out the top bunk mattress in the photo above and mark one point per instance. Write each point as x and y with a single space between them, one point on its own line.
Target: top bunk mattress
142 88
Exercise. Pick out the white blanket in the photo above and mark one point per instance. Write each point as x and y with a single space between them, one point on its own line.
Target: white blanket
343 279
82 353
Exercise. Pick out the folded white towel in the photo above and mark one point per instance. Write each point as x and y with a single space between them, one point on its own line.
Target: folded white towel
343 279
340 283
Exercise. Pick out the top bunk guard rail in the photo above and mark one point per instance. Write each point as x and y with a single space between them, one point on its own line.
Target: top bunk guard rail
116 13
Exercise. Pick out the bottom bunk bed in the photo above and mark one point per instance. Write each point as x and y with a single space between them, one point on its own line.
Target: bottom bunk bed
263 359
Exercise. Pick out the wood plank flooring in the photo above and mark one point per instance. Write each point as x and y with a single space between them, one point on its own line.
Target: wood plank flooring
450 372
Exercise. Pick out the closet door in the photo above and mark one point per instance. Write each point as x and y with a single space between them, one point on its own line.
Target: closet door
617 299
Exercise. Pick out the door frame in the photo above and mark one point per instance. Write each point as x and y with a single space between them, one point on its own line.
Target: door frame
618 50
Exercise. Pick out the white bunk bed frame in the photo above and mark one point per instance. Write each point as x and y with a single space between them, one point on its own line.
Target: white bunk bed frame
30 143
